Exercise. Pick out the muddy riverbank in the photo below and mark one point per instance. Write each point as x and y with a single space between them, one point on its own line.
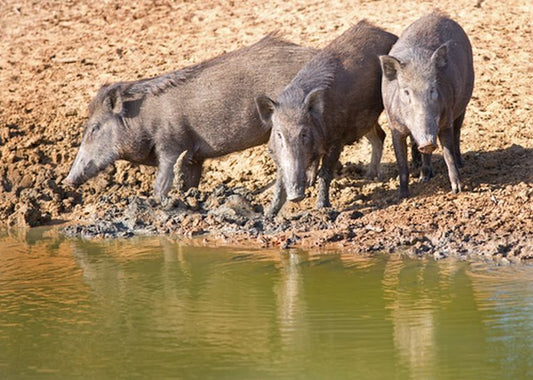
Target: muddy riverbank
57 55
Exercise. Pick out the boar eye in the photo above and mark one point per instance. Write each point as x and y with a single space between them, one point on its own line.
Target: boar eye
305 137
433 94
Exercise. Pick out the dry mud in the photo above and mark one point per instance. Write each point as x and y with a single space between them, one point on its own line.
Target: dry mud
55 56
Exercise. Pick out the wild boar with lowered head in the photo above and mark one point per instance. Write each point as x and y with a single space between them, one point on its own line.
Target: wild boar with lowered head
203 111
334 100
428 78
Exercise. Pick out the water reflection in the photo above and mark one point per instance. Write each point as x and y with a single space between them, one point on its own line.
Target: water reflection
290 306
413 319
153 308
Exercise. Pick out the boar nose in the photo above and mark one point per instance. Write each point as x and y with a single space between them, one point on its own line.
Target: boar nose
428 148
295 194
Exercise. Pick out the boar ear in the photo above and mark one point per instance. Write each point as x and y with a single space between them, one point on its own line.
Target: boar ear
113 100
440 56
314 102
390 66
265 107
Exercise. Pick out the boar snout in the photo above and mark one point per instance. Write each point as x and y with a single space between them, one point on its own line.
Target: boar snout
295 194
427 148
80 172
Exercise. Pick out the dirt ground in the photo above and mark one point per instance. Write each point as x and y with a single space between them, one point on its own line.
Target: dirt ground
55 55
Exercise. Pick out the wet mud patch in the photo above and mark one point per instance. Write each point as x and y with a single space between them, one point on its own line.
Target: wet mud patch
230 217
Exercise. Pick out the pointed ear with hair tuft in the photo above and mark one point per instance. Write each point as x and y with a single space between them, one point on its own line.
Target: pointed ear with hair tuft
440 56
390 66
314 102
265 106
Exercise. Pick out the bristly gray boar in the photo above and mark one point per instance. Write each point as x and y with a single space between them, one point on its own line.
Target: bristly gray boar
428 79
203 111
333 101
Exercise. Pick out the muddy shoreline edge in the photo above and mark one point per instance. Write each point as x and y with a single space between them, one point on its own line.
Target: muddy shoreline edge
228 217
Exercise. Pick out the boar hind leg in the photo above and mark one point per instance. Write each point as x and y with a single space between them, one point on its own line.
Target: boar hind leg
187 171
446 137
400 150
325 176
192 172
375 136
457 124
280 196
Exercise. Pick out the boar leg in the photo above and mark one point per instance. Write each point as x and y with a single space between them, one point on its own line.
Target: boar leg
325 175
187 171
192 172
457 123
400 150
375 136
165 176
280 196
446 137
426 171
415 155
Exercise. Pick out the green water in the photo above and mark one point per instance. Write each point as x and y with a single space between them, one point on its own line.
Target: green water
151 308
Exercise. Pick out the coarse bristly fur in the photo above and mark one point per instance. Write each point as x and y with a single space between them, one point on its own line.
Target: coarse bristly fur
333 100
427 83
202 111
159 84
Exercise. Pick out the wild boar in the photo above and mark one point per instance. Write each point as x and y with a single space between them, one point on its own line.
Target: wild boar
428 79
334 100
202 111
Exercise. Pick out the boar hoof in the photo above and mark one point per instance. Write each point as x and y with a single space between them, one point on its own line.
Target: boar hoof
162 200
373 174
404 194
323 204
456 188
426 173
272 211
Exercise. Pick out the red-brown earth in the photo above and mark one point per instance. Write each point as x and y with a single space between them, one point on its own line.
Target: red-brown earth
55 55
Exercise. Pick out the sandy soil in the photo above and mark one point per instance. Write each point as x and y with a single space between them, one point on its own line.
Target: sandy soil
55 56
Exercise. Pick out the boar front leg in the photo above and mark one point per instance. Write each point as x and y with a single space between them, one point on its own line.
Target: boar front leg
426 171
400 150
325 176
422 161
446 137
280 196
165 176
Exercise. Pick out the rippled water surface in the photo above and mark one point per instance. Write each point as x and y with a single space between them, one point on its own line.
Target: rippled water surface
151 308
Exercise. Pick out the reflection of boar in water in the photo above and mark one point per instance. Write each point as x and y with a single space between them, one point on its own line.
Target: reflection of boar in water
333 101
203 111
428 78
